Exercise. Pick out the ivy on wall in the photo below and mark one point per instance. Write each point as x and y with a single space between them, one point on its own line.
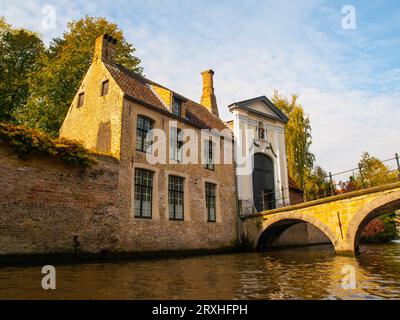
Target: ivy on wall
27 142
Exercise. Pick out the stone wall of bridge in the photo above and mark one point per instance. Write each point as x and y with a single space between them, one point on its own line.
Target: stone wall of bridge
341 218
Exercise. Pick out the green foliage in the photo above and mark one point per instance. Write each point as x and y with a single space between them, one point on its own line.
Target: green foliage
19 55
4 26
316 184
61 69
26 142
298 138
373 173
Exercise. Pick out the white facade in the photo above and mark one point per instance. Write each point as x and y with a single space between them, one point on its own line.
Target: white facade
261 124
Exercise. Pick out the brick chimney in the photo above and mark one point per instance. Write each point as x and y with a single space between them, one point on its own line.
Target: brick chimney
105 49
208 98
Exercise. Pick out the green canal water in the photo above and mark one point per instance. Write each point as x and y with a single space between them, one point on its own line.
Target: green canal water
307 273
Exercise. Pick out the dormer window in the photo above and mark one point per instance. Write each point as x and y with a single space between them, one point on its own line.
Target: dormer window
177 107
209 155
104 88
81 99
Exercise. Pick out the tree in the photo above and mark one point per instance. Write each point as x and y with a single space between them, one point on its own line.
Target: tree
373 173
63 68
298 138
20 51
350 185
316 184
4 26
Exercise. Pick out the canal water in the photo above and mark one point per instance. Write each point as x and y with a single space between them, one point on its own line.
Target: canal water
307 273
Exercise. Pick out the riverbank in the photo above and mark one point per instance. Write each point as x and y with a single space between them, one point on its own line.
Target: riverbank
79 258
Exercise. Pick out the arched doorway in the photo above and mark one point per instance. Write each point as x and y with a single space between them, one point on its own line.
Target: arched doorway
263 182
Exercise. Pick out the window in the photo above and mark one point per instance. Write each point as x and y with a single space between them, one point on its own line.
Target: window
209 155
144 126
261 131
175 146
104 88
81 99
210 202
177 107
143 193
175 197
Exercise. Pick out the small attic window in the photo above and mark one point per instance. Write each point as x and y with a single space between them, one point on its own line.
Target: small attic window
81 99
104 87
177 107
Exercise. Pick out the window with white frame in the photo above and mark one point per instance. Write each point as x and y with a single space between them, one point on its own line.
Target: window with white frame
176 197
211 202
143 193
143 134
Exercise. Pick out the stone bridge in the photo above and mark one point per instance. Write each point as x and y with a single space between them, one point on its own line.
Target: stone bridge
341 218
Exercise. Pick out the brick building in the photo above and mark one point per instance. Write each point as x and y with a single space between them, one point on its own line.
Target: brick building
165 206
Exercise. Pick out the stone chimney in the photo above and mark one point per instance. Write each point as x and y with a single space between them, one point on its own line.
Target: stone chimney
208 98
105 49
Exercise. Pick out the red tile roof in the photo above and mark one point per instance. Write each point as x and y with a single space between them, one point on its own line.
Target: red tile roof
138 87
134 85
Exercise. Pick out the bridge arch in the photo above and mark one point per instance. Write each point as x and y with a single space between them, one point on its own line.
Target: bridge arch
274 226
379 206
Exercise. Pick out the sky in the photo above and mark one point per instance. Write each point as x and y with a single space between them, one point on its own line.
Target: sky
343 65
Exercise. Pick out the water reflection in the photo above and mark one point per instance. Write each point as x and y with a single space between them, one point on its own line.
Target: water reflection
309 273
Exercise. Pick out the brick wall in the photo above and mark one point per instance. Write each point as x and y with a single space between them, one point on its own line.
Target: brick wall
44 204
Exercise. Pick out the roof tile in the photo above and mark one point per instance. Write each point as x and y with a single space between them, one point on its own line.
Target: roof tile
138 87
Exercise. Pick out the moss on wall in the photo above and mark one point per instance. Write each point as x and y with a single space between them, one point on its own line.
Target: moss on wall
26 142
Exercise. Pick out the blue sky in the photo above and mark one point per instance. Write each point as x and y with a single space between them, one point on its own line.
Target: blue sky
348 81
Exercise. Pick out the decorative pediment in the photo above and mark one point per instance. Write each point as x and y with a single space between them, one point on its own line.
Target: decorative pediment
261 106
